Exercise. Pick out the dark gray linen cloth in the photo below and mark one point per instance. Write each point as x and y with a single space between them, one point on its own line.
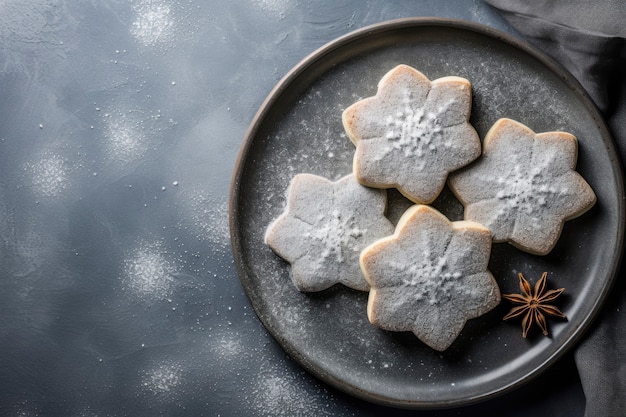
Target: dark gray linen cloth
588 37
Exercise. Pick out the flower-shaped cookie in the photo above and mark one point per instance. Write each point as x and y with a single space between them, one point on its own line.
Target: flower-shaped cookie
324 228
412 133
430 276
524 187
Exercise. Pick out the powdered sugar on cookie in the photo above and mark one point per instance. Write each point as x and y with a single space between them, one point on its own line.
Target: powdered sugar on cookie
524 187
430 276
412 133
324 228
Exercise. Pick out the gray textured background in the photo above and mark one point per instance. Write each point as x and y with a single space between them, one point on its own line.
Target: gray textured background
120 122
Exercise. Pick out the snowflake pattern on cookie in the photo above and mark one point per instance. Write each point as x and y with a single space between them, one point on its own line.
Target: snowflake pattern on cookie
324 228
412 133
430 276
524 187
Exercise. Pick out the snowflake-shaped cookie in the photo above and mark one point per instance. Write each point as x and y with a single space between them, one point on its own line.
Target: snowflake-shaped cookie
412 133
524 187
324 228
430 276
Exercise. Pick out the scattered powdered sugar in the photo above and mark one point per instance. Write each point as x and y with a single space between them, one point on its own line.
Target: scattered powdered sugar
163 378
152 21
525 190
431 279
208 215
161 25
336 233
148 272
22 408
415 132
227 346
49 175
129 134
278 393
125 142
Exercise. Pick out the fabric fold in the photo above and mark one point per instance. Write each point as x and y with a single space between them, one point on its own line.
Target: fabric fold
588 38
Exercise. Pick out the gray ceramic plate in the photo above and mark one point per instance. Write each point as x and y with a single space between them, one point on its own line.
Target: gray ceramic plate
298 129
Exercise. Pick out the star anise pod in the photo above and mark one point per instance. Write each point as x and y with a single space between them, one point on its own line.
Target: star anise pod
532 304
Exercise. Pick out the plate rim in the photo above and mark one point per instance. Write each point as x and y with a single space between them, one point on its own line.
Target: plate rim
377 29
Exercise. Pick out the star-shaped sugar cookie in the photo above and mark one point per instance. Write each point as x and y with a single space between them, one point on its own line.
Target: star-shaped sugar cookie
412 133
430 276
524 187
324 228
